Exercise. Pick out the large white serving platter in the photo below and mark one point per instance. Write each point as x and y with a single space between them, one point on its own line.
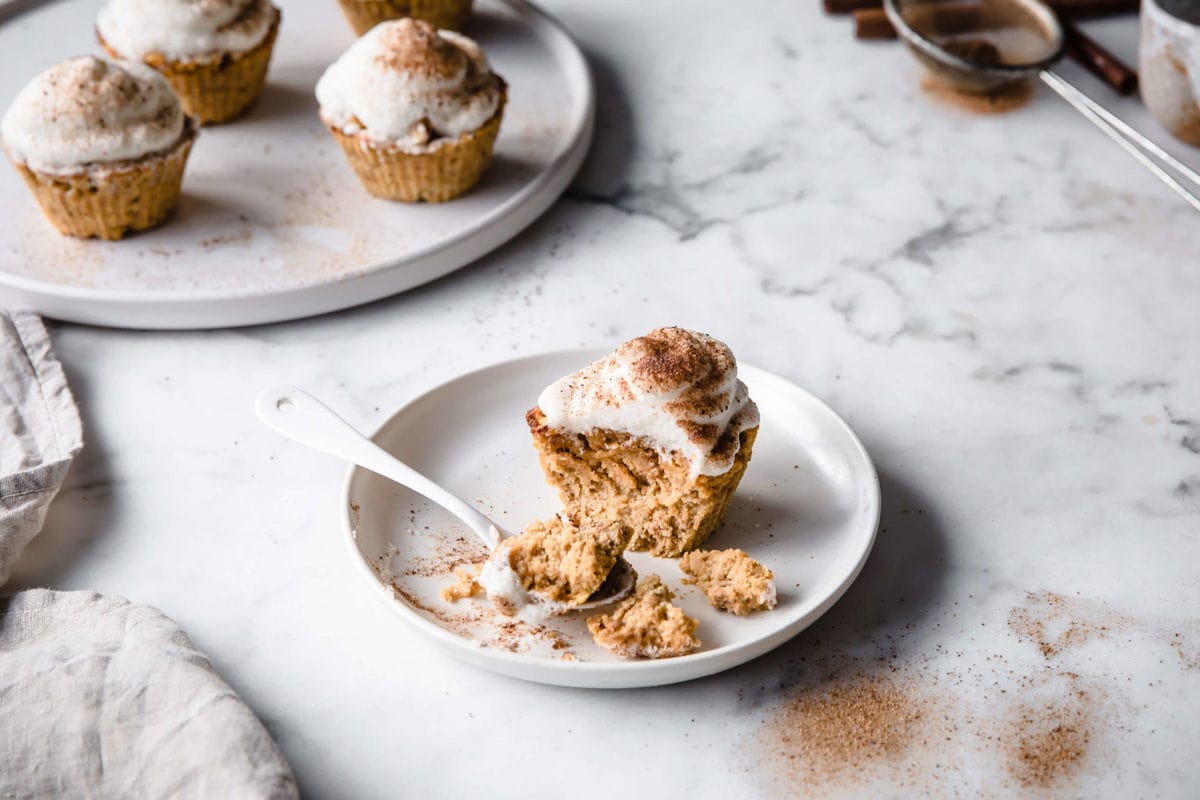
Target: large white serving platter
808 507
273 225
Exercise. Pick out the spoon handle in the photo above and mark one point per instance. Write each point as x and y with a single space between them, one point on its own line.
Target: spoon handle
299 416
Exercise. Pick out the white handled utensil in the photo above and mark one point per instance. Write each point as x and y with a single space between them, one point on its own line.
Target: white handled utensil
299 416
303 418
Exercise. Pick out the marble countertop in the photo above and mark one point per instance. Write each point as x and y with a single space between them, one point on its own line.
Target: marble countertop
1003 307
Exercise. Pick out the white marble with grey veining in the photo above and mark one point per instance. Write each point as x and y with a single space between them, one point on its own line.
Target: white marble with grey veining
1004 308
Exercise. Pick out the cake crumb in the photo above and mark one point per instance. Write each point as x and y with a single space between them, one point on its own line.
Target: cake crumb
646 625
564 563
730 579
467 585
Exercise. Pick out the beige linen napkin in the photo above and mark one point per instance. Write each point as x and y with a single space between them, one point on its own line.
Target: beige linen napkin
39 432
100 698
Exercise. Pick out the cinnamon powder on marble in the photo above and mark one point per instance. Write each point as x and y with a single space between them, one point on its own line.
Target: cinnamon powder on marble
1055 623
1001 101
840 726
1047 744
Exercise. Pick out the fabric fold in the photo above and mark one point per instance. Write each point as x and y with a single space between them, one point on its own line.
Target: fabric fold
103 698
40 431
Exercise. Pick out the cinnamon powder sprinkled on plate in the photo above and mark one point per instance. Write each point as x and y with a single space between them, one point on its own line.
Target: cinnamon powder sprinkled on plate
473 618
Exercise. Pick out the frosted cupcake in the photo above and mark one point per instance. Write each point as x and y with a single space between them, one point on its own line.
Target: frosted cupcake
214 53
416 110
366 14
101 144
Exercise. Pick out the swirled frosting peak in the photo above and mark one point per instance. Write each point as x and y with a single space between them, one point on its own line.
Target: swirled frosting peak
674 387
87 110
406 83
184 29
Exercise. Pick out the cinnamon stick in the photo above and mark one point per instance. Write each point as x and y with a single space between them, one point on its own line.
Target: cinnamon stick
850 6
1086 52
1072 9
872 24
1092 9
946 19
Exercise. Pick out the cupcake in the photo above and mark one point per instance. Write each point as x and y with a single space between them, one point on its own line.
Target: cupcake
366 14
657 435
416 110
101 144
214 53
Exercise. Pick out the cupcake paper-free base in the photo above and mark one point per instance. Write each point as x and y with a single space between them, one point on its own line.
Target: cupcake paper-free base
442 174
111 201
101 144
415 109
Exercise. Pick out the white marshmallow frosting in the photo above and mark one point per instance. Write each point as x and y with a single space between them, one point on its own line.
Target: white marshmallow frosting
90 110
184 30
406 84
503 587
676 388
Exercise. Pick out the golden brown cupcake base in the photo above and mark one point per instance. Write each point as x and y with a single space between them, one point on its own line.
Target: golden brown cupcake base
108 201
613 475
448 14
440 174
219 89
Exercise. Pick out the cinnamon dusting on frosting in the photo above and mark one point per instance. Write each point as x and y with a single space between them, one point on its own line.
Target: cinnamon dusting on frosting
414 47
676 387
404 83
86 110
184 30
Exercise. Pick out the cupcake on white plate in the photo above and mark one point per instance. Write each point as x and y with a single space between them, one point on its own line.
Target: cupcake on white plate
214 53
416 110
102 145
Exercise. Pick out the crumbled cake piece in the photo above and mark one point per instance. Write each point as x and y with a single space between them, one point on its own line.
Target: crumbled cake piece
558 561
732 580
468 583
657 435
646 625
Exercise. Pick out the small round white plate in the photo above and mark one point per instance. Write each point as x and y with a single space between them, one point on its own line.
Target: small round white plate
273 224
808 508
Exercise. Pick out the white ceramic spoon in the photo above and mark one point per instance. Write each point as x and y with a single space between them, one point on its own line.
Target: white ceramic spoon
299 416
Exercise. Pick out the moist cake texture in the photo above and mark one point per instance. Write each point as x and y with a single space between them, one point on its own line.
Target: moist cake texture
555 560
731 579
646 624
656 435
